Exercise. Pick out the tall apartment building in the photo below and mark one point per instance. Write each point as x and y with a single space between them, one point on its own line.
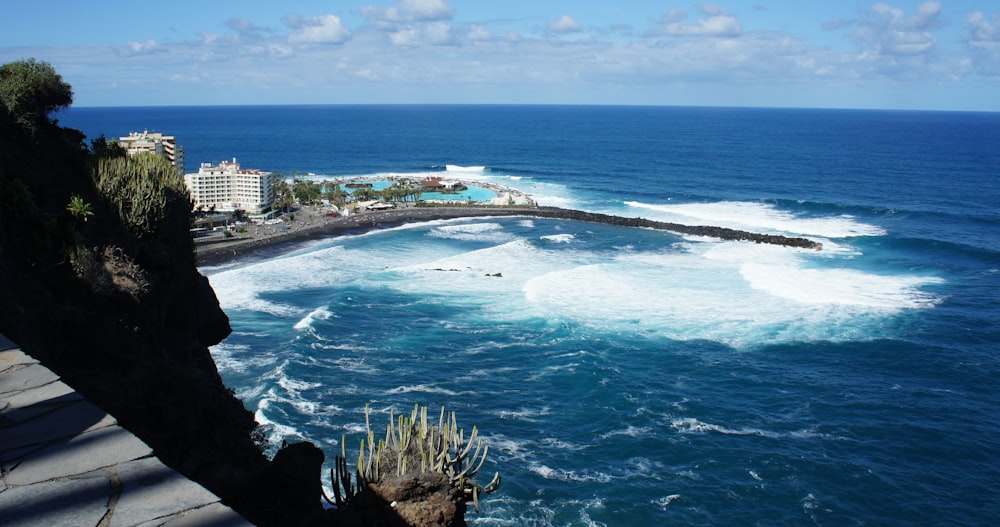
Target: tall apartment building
226 187
157 143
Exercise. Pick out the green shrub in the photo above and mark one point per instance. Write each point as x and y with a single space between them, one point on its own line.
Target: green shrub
145 191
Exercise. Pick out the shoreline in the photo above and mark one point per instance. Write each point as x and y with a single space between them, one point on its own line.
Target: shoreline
214 252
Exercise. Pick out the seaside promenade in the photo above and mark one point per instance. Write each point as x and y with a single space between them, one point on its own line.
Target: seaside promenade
66 462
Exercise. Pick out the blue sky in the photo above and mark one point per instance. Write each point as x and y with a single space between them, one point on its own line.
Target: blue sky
940 55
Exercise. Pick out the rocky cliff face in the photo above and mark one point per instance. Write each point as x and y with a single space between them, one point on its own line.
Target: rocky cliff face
127 321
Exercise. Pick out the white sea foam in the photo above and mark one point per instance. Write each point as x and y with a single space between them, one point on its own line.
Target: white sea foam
459 168
526 414
738 294
758 216
582 476
422 388
278 432
840 286
690 425
231 357
551 200
629 431
665 501
479 232
295 386
320 313
559 238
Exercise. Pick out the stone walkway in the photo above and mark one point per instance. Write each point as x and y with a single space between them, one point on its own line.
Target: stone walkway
67 462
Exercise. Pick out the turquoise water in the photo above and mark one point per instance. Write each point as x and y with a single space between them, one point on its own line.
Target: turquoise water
471 193
637 377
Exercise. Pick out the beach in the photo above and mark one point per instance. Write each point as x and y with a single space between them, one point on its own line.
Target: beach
311 226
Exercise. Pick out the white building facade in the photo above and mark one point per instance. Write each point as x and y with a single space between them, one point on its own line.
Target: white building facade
226 187
156 143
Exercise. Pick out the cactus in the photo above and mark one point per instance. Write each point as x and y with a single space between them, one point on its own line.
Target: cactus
411 444
145 191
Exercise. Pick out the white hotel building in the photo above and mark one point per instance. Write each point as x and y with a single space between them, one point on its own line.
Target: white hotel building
227 187
156 143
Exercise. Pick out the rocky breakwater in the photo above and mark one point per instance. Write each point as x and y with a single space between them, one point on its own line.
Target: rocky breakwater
721 233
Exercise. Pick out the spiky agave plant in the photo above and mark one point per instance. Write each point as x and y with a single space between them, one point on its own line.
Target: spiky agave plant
413 445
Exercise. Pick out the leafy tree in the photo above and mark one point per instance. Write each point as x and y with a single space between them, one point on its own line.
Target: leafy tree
31 90
102 148
306 191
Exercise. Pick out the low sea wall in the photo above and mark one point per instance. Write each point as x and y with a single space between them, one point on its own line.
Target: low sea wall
210 252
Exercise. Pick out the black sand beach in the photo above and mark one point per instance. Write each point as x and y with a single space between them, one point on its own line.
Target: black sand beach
312 226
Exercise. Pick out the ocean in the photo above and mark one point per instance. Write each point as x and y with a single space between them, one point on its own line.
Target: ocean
629 376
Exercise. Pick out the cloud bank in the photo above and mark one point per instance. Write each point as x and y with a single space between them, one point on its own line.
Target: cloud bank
423 51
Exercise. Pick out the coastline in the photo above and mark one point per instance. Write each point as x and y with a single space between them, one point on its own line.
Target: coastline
214 252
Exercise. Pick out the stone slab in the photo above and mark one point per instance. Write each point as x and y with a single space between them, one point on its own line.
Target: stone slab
76 501
14 357
151 490
214 515
25 377
68 421
23 406
84 453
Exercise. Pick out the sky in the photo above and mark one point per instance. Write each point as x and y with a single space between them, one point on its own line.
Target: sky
898 54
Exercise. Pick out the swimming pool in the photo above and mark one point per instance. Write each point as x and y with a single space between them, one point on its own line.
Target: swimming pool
471 193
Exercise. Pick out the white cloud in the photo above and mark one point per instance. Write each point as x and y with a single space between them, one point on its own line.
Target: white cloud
982 37
717 23
246 28
887 30
434 33
479 33
147 47
564 25
325 29
411 11
979 29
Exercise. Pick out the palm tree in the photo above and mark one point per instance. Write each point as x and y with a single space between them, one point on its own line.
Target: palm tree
282 193
79 208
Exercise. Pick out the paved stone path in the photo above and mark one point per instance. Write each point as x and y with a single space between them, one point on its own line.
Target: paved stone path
66 462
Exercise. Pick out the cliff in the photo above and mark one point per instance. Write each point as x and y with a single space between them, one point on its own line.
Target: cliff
124 317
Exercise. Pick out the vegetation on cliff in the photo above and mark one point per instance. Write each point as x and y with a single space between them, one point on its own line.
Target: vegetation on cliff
99 283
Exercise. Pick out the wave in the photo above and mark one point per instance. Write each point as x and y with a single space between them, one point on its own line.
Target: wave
320 313
422 388
755 216
526 414
484 232
690 425
665 501
460 168
277 431
559 238
582 476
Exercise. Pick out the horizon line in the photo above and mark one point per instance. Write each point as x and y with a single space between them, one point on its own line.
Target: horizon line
550 105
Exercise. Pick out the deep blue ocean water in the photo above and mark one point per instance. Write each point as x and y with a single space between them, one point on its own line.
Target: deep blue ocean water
636 377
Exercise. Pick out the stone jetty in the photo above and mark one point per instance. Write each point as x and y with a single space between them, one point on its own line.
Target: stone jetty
721 233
